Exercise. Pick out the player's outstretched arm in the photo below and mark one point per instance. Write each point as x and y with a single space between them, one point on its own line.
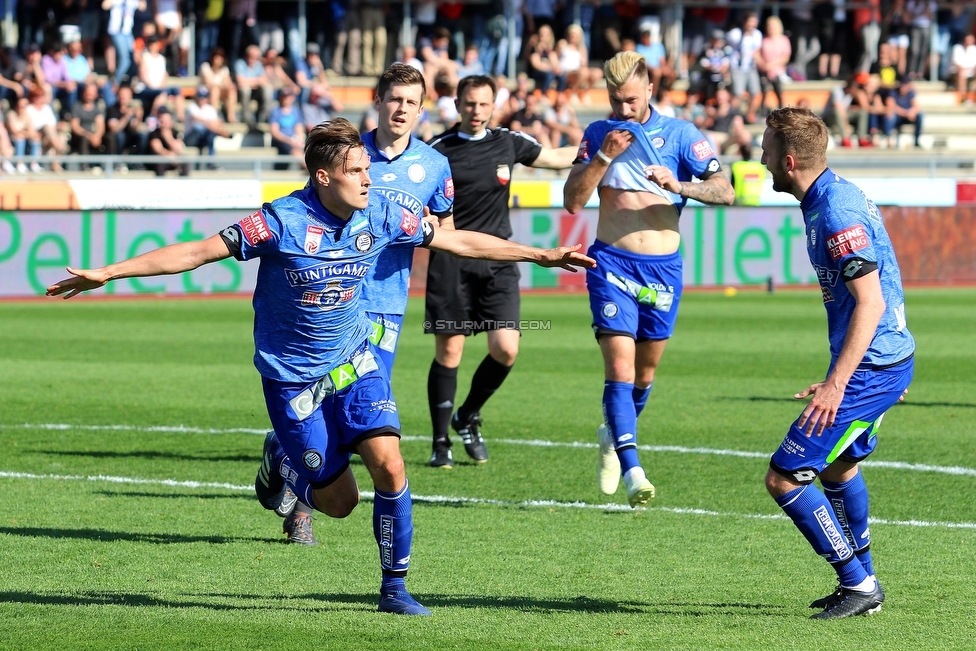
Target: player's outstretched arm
172 259
556 159
481 246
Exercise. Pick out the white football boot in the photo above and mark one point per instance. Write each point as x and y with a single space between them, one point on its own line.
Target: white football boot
639 490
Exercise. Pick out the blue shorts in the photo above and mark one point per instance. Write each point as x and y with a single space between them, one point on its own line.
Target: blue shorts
320 431
853 437
385 336
633 295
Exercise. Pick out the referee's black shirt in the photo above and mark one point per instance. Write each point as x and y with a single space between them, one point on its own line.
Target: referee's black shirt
482 171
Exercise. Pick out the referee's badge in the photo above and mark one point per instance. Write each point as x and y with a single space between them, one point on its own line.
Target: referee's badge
416 173
504 174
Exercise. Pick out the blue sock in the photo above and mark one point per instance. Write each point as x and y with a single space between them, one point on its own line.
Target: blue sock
850 502
620 415
816 520
640 397
393 529
299 485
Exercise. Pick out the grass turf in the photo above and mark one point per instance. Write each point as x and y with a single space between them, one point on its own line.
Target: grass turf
99 564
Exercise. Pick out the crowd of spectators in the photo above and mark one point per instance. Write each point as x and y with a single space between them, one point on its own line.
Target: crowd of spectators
103 76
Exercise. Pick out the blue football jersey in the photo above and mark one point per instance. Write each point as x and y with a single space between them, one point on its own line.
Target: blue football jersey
675 144
845 236
308 313
418 177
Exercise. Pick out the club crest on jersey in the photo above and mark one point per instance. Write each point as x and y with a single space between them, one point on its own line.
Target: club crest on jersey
813 237
410 222
847 241
416 173
255 229
313 239
364 242
504 174
610 310
658 142
449 188
312 459
703 150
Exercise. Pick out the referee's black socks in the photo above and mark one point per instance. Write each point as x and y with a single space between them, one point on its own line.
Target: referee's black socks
441 388
486 380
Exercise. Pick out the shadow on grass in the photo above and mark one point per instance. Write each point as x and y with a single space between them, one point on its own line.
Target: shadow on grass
150 454
182 496
326 602
104 535
900 405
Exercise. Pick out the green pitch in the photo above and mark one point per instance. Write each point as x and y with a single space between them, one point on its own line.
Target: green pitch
114 535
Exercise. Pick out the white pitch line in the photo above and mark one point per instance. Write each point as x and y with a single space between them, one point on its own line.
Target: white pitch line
673 449
446 499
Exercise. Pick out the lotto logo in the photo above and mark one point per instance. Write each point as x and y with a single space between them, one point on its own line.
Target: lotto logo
703 150
847 241
409 223
255 229
584 150
805 476
449 188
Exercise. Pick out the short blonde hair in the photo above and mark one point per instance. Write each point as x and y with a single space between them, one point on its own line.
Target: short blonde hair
800 133
623 66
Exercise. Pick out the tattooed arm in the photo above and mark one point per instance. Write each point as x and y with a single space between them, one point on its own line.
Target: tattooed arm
715 190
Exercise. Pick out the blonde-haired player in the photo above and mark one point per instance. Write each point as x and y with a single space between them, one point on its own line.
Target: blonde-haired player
642 163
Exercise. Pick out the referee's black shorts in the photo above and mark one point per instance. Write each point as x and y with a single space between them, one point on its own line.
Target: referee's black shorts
466 297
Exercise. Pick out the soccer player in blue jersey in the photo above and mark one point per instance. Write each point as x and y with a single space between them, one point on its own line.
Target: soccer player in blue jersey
327 394
414 176
643 164
871 361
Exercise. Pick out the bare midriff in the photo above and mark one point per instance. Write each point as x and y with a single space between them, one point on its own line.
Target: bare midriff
639 222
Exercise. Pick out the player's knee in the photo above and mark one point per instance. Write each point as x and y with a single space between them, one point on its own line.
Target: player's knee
389 473
620 370
342 508
448 359
338 505
504 355
644 377
449 352
777 484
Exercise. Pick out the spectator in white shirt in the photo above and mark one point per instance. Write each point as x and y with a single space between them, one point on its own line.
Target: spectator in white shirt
964 63
746 42
203 123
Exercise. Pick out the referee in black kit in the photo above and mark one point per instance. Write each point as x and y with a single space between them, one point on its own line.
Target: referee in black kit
466 297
